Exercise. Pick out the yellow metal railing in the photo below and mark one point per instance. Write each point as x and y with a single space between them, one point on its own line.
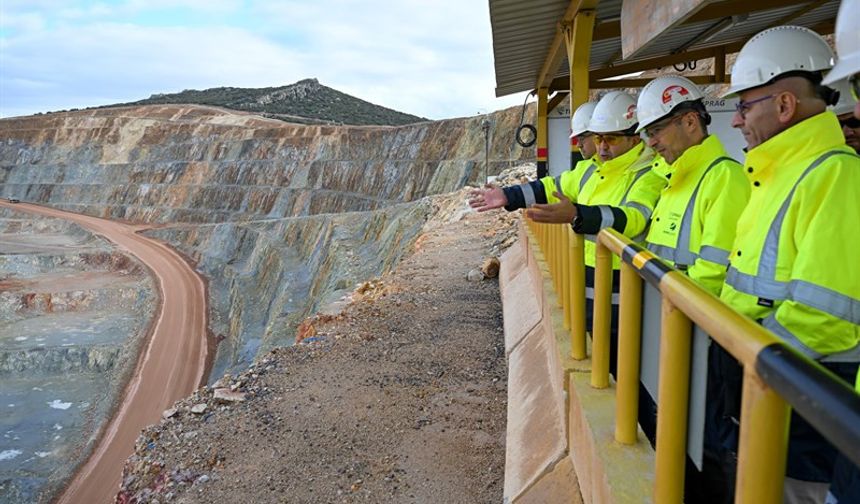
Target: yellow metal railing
567 250
764 415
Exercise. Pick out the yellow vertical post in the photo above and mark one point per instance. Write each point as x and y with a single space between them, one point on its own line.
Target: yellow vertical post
577 297
565 275
541 237
559 262
542 132
602 317
545 242
629 343
763 443
577 38
673 394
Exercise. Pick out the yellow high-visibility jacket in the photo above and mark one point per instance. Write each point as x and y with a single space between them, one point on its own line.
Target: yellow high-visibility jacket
794 260
622 194
632 181
570 183
693 225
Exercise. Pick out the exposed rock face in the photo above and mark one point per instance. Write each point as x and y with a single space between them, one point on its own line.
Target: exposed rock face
282 218
195 164
266 276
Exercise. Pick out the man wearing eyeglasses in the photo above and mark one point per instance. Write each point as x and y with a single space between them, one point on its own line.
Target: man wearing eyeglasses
569 183
845 75
620 193
693 223
793 263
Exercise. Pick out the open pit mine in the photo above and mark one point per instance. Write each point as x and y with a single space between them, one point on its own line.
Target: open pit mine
279 221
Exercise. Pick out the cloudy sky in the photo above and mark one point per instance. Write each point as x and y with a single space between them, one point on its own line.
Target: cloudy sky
431 58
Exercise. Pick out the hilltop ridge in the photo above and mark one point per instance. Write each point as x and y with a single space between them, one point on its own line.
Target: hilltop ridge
306 101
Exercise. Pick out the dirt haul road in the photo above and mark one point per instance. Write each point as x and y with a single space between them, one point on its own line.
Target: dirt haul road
171 365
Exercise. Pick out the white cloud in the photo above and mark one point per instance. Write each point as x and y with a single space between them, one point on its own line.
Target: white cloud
27 22
426 58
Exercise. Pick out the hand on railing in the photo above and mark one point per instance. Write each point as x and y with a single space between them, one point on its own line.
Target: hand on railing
487 198
562 212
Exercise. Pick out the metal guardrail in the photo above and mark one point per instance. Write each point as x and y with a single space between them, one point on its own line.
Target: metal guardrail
776 377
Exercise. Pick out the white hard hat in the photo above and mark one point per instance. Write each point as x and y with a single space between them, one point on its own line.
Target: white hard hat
580 119
614 112
847 42
663 94
845 104
776 51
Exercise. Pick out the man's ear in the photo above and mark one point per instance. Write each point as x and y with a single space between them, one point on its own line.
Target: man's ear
786 106
691 121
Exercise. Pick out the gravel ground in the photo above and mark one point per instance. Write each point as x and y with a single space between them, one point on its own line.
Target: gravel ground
400 398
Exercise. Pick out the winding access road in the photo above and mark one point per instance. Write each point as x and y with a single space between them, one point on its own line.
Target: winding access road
171 364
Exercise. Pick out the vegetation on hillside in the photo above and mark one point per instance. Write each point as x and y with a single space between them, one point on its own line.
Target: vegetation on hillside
306 101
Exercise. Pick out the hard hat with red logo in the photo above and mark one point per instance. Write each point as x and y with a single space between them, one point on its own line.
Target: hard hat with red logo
614 112
847 42
582 116
662 95
778 51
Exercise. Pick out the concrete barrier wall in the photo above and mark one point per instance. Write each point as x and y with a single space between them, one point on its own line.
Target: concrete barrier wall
560 433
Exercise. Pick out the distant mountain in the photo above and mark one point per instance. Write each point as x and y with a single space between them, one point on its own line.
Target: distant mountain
306 101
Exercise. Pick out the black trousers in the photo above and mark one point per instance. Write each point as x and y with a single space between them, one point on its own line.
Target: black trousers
810 456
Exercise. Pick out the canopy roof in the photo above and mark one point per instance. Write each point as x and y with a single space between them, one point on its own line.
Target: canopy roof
530 51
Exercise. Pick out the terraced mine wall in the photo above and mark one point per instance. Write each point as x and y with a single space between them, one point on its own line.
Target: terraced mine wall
281 218
73 314
194 164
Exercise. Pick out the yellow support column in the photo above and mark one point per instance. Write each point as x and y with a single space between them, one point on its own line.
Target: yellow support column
763 443
602 317
629 343
577 297
673 393
559 263
551 256
545 242
577 38
541 234
565 275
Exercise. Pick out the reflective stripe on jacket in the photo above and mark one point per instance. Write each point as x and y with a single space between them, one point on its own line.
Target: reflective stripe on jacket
794 260
541 191
693 226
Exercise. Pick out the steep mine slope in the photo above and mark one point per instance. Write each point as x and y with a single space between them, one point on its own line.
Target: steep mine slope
281 218
399 398
167 164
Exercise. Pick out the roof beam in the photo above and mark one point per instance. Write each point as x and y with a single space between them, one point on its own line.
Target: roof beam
637 83
612 29
598 75
642 21
662 61
556 52
556 99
